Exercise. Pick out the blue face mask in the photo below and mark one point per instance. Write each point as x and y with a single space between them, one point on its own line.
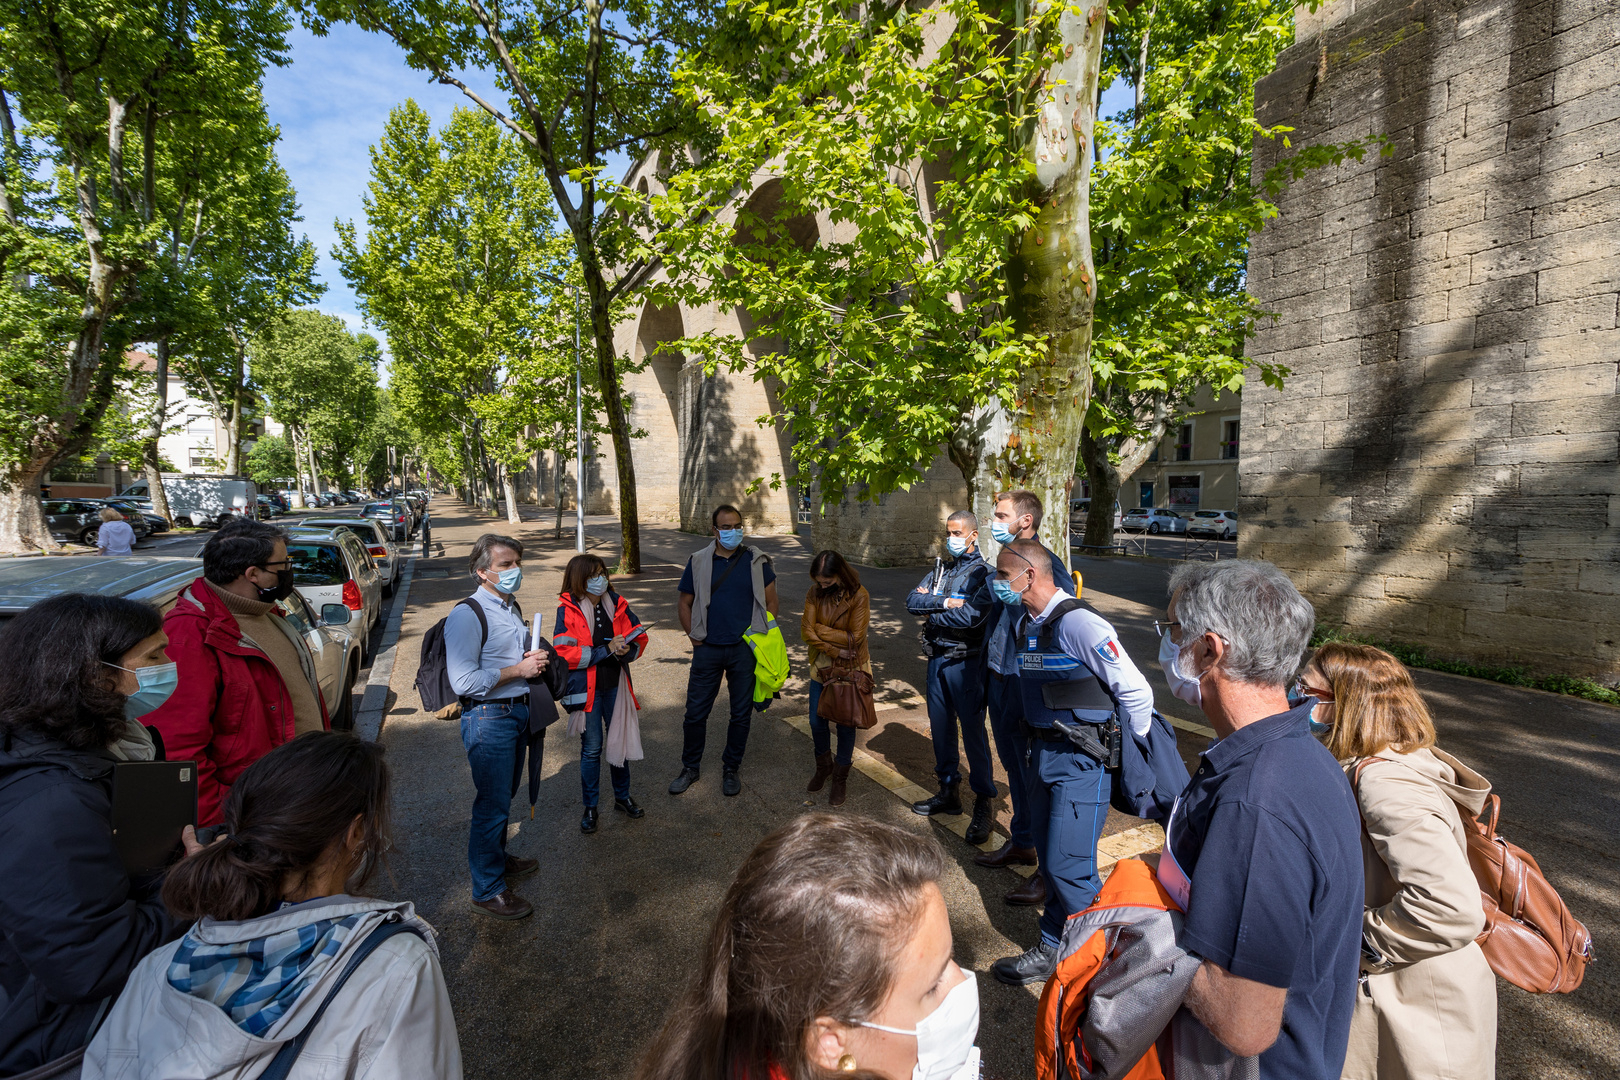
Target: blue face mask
597 585
1296 699
509 580
730 538
958 545
1002 534
157 686
1006 593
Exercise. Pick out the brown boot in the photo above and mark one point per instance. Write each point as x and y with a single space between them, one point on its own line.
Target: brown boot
1030 893
840 777
824 768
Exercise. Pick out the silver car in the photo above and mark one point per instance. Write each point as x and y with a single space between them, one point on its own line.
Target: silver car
331 566
374 535
158 580
1153 521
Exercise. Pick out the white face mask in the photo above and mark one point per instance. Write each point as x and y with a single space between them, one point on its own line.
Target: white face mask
945 1049
1182 687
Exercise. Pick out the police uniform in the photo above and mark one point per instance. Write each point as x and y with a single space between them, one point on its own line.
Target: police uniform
1073 674
954 639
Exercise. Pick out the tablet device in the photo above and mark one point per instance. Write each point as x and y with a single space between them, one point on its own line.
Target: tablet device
152 802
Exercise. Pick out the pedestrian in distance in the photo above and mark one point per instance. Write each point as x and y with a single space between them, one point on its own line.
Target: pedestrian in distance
727 590
427 530
598 635
1017 516
831 955
1426 1003
1079 689
287 958
837 611
116 536
81 673
247 681
956 603
1267 828
488 659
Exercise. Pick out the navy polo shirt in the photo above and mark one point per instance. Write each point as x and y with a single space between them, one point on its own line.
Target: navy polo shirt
1269 835
731 606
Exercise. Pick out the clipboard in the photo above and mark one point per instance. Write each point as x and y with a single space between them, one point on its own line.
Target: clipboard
152 802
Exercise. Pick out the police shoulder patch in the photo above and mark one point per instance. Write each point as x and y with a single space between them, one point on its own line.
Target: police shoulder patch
1109 651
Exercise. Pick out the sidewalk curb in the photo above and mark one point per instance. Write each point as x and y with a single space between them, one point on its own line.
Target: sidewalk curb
369 721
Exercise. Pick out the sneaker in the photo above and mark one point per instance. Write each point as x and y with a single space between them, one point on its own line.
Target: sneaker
688 777
508 905
729 784
1034 965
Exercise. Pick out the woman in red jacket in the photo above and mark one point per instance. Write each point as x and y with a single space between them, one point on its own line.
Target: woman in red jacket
597 634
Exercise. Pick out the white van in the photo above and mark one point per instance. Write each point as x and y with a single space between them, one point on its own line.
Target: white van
203 501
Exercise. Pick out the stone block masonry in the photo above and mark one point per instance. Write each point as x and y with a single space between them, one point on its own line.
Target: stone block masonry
1443 466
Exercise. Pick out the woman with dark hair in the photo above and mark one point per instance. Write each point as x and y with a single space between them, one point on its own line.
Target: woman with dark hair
285 946
837 610
1426 1006
598 635
831 955
79 672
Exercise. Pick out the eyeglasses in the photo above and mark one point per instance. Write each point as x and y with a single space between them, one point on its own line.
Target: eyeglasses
278 562
1303 689
1163 628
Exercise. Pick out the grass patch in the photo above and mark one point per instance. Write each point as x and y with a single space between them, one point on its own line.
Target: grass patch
1417 656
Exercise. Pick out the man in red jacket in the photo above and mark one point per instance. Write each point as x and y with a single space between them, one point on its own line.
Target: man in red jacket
247 681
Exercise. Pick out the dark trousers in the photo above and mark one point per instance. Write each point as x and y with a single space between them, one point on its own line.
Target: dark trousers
821 738
709 662
1068 804
956 692
1006 719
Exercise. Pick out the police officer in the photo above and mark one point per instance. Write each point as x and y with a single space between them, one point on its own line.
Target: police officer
956 601
1077 686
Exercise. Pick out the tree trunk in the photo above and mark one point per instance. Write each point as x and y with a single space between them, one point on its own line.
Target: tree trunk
1033 440
160 416
1105 480
233 422
314 469
22 517
557 492
607 376
509 489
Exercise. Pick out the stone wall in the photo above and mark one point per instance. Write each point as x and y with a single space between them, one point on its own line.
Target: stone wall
902 528
1443 466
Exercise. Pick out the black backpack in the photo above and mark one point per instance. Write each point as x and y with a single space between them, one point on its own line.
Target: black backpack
433 676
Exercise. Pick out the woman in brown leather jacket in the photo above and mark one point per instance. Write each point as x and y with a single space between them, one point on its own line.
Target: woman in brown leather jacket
836 612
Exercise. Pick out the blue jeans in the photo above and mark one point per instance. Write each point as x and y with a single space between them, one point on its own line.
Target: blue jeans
1006 713
709 662
1068 802
956 692
820 735
496 737
597 721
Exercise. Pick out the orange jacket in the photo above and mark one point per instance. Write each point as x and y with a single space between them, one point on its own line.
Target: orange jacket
575 641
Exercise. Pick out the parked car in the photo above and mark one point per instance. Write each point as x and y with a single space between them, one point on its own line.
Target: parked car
1221 524
79 520
395 517
155 523
1152 520
279 499
331 566
373 535
1080 509
204 501
417 505
268 507
159 580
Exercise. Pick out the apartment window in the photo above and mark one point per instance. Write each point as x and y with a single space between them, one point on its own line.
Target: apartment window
1229 440
1184 443
1155 455
202 457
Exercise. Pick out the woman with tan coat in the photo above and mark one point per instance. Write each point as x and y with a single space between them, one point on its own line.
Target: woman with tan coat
836 612
1426 1003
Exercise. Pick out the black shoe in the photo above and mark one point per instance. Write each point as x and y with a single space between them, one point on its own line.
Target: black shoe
688 777
1035 965
628 805
516 867
587 824
984 813
729 784
948 802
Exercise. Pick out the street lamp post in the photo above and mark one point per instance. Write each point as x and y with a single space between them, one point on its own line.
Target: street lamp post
579 435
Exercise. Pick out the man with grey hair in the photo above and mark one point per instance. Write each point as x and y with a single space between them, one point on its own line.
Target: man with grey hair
955 600
1263 849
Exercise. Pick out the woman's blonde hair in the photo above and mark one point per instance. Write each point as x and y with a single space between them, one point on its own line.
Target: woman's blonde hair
1376 705
109 514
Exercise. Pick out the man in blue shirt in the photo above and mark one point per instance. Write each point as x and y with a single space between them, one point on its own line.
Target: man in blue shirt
1263 850
728 590
1017 516
956 601
490 674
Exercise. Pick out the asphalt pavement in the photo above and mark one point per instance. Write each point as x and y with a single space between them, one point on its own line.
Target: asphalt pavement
579 989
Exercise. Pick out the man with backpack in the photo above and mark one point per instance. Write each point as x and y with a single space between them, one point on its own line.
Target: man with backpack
489 663
1076 684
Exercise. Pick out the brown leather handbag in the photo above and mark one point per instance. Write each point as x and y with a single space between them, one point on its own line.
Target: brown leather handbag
1530 938
846 697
